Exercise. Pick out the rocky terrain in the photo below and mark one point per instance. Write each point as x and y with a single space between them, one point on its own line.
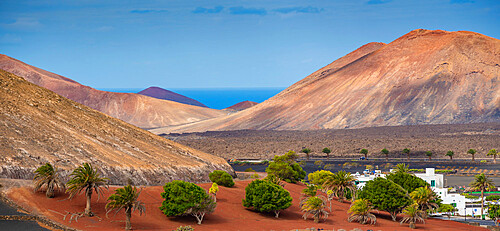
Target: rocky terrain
262 144
39 126
423 77
139 110
160 93
241 106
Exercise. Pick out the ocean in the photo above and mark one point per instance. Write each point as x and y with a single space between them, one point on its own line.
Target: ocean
217 98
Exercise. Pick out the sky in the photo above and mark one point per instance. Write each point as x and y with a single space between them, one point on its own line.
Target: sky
216 44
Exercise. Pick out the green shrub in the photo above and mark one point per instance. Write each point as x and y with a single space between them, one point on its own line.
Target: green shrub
468 196
185 228
416 170
249 170
264 162
319 163
255 176
329 166
484 161
493 197
409 182
264 196
286 168
444 171
319 177
221 178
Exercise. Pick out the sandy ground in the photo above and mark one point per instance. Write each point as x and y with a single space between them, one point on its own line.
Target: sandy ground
229 214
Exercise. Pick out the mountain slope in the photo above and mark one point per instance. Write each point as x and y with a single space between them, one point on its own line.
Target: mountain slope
241 106
39 126
160 93
139 110
423 77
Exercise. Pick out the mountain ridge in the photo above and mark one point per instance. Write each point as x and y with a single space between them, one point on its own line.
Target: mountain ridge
160 93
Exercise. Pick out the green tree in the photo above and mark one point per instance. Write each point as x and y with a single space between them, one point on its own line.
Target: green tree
494 212
340 183
402 167
319 177
221 178
214 189
413 215
47 175
407 152
327 151
274 179
360 212
425 198
364 152
386 153
125 198
450 154
447 209
264 196
310 191
286 168
408 181
494 153
472 152
86 178
385 195
481 183
185 198
315 206
306 151
429 154
492 197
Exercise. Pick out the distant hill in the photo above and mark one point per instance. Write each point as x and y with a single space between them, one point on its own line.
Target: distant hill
423 77
38 126
160 93
139 110
241 106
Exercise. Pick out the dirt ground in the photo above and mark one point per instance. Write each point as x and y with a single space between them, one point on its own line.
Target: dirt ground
229 214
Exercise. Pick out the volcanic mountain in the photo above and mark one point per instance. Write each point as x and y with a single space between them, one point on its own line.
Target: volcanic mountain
160 93
139 110
423 77
241 106
38 126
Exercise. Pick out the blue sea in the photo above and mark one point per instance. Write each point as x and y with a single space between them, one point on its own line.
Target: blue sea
217 98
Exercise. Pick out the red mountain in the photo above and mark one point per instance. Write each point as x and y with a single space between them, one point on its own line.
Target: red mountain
241 106
160 93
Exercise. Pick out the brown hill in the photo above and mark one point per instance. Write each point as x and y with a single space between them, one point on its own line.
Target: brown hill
241 106
139 110
160 93
423 77
39 126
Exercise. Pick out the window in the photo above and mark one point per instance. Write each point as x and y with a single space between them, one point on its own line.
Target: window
454 205
433 183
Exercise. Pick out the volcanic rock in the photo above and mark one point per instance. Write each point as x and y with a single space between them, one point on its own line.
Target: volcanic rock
160 93
241 106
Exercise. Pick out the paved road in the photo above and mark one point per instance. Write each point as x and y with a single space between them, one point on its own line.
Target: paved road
8 225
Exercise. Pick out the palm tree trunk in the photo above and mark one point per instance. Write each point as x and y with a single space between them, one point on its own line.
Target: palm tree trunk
88 210
128 215
495 159
482 203
430 158
473 157
386 158
408 157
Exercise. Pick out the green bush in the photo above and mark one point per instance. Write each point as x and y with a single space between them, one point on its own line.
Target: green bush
416 170
484 161
185 228
286 168
409 182
493 197
444 171
319 177
249 170
264 196
221 178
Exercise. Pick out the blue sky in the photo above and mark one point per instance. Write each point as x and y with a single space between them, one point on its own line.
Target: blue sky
204 44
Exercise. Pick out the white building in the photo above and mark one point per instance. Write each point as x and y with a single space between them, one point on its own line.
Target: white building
435 180
361 179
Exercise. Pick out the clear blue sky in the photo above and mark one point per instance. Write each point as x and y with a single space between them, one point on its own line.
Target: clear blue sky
203 44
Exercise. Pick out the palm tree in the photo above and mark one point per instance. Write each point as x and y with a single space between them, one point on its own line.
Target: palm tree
360 211
339 183
450 154
481 183
386 153
85 177
364 151
315 206
327 151
407 152
429 154
494 153
125 198
402 167
425 198
413 215
47 175
306 151
472 152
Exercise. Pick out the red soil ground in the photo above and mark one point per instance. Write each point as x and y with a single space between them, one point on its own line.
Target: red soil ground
229 214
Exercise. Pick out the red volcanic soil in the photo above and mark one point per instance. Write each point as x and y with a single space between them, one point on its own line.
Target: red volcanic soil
229 214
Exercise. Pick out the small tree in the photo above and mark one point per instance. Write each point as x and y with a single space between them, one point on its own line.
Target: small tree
125 198
447 209
385 195
450 154
306 151
494 212
274 179
364 152
482 183
386 153
310 191
408 181
360 212
429 154
221 178
286 168
494 153
407 152
327 151
315 206
47 175
413 215
402 167
472 152
86 178
425 198
214 189
185 198
264 196
340 183
319 177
